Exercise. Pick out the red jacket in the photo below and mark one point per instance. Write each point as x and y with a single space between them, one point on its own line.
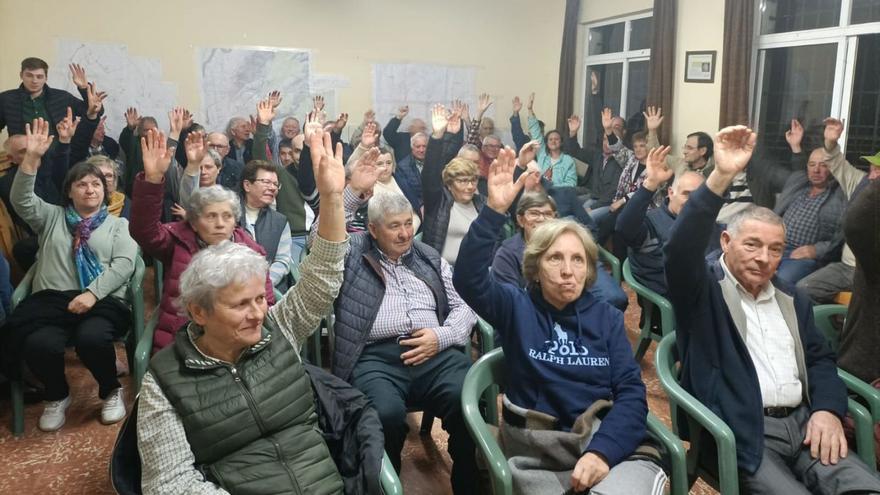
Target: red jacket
173 244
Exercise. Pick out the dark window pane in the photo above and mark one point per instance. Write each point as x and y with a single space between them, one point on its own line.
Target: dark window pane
637 92
798 83
610 79
865 11
640 34
863 136
783 16
606 39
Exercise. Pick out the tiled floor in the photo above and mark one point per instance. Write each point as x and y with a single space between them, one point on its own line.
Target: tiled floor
74 459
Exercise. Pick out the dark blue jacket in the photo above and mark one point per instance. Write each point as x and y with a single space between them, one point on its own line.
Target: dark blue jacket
559 361
399 141
409 179
57 101
716 365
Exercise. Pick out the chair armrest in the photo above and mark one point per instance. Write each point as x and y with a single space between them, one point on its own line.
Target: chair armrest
864 390
388 478
612 260
864 431
23 289
679 397
142 349
487 335
675 449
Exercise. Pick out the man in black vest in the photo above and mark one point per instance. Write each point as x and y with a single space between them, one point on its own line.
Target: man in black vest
400 331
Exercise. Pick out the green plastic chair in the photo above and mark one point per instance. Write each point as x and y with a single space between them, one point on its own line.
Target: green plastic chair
612 261
865 392
489 371
649 300
388 478
700 418
135 296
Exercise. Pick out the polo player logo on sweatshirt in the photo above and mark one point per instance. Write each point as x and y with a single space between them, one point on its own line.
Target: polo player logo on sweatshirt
565 351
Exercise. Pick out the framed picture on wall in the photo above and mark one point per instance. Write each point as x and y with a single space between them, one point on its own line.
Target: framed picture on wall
699 67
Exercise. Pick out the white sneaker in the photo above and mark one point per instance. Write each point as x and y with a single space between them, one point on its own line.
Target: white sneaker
53 415
114 407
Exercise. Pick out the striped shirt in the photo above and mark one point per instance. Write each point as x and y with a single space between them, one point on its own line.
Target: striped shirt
409 305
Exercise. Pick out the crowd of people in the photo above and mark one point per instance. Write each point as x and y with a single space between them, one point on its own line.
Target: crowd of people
408 236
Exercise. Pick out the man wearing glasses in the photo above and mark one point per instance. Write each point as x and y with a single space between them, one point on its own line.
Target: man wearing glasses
230 173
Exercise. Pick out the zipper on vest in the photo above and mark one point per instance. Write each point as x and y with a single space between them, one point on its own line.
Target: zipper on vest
252 405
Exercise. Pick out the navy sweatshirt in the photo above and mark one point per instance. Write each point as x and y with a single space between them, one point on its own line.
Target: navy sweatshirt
559 362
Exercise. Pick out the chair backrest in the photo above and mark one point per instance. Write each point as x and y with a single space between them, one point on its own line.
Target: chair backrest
823 315
606 256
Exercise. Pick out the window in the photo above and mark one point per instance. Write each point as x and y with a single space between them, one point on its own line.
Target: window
817 58
618 55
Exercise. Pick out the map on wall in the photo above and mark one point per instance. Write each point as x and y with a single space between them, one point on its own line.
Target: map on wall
233 80
130 81
420 86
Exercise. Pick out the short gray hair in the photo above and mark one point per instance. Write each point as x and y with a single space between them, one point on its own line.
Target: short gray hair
218 160
232 123
387 204
491 137
216 267
211 195
753 212
468 147
418 135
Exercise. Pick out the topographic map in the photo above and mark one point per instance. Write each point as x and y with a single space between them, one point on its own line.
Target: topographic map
128 80
420 86
233 80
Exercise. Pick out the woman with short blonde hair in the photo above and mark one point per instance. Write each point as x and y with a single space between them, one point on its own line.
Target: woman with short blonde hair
545 235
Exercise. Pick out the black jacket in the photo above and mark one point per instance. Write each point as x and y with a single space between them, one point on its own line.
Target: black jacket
57 101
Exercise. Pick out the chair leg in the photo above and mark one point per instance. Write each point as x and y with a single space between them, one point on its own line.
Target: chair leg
427 424
16 388
644 344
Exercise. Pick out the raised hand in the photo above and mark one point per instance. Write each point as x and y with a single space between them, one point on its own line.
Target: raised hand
187 119
528 152
266 111
131 117
574 123
252 125
833 130
369 116
341 122
465 112
502 188
38 141
311 126
483 104
517 104
794 136
156 156
370 135
178 211
175 121
78 75
364 173
318 103
196 147
67 127
653 118
656 171
607 120
531 104
95 101
327 165
733 149
275 98
439 120
454 118
402 112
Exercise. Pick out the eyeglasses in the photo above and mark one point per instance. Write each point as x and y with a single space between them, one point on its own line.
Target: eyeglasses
269 183
464 181
493 146
215 146
534 215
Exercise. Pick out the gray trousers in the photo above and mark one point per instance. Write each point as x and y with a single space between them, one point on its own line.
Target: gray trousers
823 284
788 468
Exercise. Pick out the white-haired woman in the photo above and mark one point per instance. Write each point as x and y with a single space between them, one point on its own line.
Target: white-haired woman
228 406
211 215
569 361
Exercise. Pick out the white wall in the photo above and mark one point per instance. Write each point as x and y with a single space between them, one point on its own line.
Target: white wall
513 43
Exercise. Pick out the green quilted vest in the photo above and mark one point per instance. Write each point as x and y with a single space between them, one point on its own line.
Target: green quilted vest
252 427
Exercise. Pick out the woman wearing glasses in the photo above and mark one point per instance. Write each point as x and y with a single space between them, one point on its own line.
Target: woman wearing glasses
259 186
532 210
448 187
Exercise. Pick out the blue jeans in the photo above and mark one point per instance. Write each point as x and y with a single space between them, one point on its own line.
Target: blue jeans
297 246
607 289
792 270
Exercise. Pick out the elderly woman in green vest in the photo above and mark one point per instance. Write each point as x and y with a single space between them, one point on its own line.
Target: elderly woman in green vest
228 407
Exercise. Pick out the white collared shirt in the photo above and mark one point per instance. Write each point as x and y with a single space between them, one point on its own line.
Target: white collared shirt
770 345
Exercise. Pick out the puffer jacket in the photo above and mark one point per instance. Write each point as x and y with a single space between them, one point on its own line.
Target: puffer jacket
173 244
